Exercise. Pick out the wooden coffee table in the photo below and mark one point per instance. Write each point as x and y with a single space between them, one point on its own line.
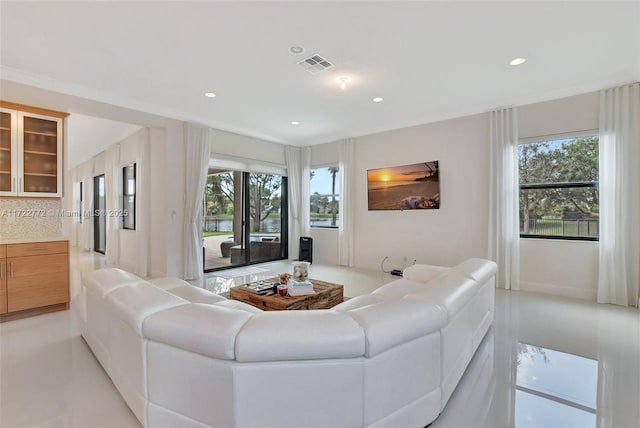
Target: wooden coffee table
327 296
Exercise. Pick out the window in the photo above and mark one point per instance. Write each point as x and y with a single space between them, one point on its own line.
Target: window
79 200
559 188
325 196
129 197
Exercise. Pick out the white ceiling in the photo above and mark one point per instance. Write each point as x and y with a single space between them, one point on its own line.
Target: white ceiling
429 60
88 136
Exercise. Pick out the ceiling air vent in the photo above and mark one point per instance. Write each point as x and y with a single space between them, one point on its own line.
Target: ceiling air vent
315 64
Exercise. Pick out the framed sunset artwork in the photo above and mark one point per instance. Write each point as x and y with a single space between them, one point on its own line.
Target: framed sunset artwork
407 187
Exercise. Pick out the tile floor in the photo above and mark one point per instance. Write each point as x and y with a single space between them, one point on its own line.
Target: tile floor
546 362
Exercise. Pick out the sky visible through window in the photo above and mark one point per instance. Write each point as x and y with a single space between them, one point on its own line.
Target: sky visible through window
321 182
552 144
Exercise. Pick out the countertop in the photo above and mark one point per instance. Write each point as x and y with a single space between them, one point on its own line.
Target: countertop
31 240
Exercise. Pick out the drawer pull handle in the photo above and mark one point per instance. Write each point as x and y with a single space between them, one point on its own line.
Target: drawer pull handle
1 270
12 274
38 249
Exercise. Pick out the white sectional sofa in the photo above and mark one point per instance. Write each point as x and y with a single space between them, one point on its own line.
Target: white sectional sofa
183 357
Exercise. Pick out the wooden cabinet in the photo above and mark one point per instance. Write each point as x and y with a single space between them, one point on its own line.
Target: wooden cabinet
30 151
3 279
37 278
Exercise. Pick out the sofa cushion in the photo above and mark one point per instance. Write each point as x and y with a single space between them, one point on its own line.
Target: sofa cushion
183 289
196 294
451 291
395 322
169 283
398 288
103 281
479 270
423 273
132 303
359 302
242 306
299 335
205 329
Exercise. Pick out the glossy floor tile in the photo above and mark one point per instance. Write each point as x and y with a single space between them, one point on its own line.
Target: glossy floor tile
545 362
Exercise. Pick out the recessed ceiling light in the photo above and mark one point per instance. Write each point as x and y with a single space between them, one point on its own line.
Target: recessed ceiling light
343 81
378 99
210 95
295 123
518 61
296 50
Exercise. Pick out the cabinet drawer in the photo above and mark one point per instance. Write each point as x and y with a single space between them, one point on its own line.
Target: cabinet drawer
3 286
3 251
37 281
37 248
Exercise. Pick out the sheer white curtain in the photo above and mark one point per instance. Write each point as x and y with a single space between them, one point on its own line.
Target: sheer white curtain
87 171
143 201
305 192
619 264
198 141
298 160
112 186
346 203
504 226
293 157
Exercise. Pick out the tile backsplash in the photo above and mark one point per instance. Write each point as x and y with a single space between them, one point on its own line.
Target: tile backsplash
30 218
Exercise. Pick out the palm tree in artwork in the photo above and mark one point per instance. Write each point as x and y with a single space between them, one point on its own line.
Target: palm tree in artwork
333 170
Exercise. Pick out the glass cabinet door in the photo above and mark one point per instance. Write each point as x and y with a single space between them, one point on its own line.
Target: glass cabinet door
41 137
7 153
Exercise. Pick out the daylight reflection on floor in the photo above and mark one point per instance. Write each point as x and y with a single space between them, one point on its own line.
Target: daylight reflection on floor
555 389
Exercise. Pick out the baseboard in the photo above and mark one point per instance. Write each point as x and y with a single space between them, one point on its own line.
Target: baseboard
559 290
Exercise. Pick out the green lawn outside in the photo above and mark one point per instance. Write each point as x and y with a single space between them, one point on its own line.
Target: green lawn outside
205 234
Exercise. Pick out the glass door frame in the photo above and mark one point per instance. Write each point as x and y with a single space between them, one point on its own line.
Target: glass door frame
100 220
246 225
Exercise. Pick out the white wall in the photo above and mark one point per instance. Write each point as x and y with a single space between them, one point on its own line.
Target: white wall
159 216
240 146
131 151
562 268
159 177
458 230
566 268
446 236
172 213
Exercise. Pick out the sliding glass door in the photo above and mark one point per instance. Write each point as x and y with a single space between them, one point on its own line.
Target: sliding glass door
241 211
267 217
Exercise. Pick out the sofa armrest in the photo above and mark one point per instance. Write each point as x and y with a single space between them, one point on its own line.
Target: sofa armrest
480 270
299 335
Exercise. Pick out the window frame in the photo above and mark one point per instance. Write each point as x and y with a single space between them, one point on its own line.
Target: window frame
560 185
339 219
125 195
80 201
